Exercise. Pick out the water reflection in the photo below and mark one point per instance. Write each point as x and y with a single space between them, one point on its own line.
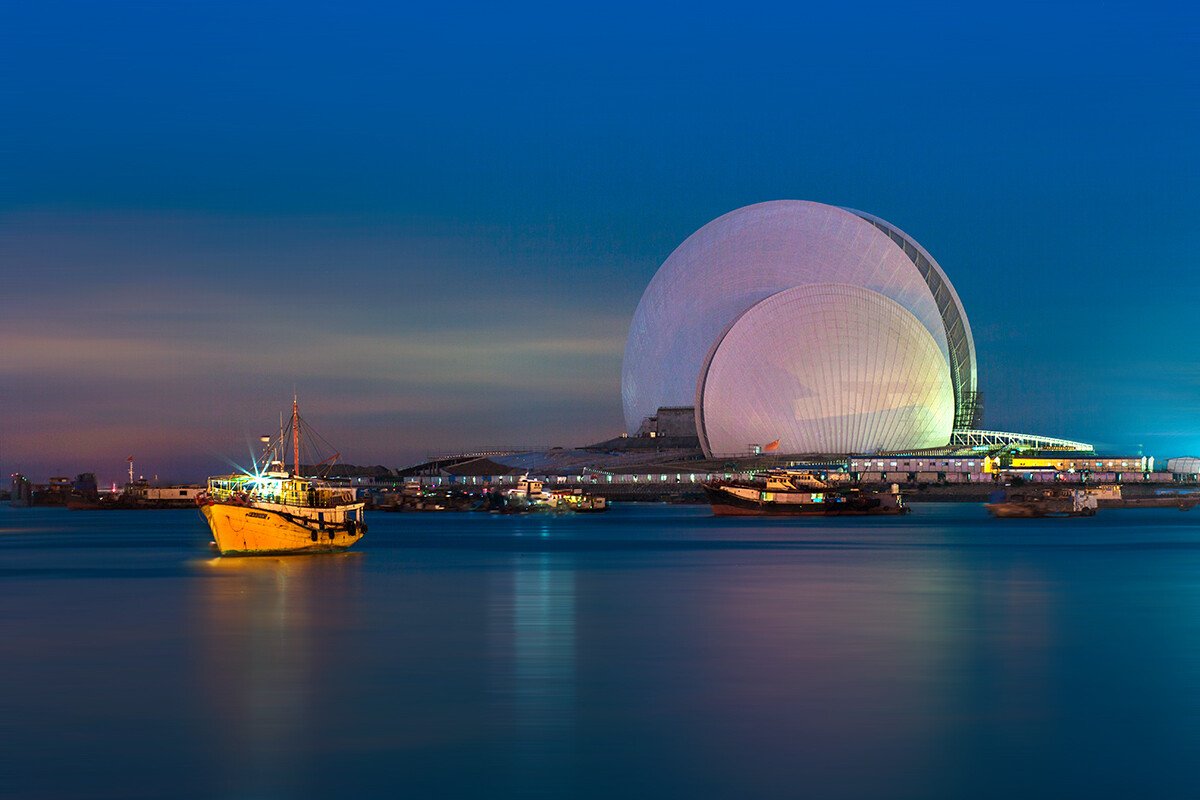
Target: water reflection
932 659
262 660
804 668
533 634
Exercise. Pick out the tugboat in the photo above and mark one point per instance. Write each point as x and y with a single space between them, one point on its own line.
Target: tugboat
280 513
797 493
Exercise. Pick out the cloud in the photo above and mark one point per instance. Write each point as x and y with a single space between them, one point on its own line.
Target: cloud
174 338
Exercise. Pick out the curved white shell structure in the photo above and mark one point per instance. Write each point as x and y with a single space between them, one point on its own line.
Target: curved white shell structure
963 367
738 260
825 368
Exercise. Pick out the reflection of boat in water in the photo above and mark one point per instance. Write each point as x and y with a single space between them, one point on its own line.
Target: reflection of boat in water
269 641
277 513
795 493
279 569
1050 501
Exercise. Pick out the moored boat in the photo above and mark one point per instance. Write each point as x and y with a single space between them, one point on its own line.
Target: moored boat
277 512
796 493
531 494
1054 501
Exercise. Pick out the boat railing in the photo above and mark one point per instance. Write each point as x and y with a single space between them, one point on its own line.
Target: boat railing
295 493
317 498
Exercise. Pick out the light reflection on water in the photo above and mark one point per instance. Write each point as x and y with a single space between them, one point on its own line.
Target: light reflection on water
260 664
533 665
652 651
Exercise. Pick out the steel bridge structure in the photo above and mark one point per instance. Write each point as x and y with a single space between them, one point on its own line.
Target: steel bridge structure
990 439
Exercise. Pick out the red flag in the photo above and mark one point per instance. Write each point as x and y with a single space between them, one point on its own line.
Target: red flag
772 446
129 459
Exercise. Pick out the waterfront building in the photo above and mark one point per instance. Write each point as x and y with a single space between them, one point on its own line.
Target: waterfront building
22 491
1071 462
928 465
669 423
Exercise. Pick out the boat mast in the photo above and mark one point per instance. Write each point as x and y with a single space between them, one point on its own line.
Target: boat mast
295 437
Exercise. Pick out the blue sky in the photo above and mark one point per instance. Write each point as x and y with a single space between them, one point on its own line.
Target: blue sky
435 223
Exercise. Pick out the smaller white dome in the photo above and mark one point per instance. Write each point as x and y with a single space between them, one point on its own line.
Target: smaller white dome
825 368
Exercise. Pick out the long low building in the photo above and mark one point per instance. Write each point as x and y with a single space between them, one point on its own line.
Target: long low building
1073 462
905 464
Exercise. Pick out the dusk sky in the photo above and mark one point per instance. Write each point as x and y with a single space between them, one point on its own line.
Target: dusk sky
434 223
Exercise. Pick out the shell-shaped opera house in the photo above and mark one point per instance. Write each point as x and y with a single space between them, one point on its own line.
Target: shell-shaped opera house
824 329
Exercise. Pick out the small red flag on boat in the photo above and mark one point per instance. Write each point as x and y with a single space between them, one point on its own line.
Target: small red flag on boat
772 446
129 459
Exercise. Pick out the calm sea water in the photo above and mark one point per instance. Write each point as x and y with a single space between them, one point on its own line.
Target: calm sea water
653 651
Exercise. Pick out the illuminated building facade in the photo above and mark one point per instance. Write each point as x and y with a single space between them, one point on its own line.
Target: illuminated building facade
1073 462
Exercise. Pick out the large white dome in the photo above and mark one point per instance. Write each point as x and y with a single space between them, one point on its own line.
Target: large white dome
738 260
825 368
734 262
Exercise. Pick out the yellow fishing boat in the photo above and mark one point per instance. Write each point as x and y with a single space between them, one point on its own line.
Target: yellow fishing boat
277 512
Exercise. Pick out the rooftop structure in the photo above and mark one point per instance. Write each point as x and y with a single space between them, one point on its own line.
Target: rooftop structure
1184 465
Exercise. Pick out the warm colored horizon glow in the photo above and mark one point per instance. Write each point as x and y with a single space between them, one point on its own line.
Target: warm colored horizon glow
434 223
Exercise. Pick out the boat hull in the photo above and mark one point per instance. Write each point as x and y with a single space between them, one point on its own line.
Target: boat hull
725 504
240 530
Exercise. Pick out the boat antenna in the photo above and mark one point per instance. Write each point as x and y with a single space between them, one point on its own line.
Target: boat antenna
296 435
